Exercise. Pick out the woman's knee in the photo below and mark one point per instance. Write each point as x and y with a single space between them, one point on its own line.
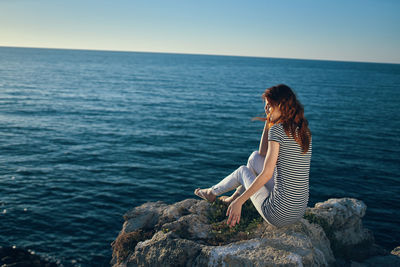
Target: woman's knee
256 162
242 168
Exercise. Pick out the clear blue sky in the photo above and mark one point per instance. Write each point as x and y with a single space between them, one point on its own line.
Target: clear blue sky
359 30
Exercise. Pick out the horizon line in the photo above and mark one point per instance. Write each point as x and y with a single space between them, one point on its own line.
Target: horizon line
195 54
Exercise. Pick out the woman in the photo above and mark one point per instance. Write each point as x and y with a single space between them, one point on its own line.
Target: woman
276 177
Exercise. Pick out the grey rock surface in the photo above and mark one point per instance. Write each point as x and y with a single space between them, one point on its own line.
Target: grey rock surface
183 234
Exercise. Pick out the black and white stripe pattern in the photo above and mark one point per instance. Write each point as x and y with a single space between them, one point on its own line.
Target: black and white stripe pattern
288 201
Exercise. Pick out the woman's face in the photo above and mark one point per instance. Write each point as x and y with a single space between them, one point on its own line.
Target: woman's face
275 114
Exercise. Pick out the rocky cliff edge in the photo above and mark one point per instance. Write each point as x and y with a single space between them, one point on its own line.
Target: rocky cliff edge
193 232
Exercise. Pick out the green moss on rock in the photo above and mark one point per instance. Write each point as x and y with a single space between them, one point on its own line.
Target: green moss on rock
221 233
312 218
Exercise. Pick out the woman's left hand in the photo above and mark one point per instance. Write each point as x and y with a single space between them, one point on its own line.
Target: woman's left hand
234 211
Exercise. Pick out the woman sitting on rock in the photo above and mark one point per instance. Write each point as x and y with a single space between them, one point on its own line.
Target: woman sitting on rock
276 177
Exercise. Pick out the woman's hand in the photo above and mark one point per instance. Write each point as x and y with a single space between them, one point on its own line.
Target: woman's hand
234 211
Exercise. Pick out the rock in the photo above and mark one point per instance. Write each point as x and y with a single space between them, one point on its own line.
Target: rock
193 232
164 250
341 220
396 251
144 216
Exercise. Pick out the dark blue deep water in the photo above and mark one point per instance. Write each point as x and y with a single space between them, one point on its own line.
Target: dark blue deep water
87 135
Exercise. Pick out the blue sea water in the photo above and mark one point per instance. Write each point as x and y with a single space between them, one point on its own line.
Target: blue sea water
87 135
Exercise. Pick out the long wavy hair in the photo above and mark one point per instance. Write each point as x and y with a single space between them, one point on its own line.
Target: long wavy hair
292 114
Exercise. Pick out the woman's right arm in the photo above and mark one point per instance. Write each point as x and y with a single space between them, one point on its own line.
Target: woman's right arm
262 150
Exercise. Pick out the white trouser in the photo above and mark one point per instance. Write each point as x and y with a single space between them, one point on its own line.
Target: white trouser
243 177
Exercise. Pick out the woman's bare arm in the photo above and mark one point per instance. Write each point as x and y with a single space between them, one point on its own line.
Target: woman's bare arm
266 174
262 150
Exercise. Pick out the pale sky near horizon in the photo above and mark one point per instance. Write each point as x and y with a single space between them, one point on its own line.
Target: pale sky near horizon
348 30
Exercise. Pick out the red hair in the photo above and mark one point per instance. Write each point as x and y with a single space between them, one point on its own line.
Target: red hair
292 114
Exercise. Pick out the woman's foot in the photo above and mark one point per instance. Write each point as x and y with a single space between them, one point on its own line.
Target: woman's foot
205 194
228 200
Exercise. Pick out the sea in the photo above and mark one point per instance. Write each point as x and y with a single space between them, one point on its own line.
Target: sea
87 135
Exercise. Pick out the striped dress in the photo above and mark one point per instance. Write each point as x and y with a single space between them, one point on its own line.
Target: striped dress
287 202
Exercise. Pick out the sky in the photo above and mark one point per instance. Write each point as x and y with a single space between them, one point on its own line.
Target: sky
345 30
